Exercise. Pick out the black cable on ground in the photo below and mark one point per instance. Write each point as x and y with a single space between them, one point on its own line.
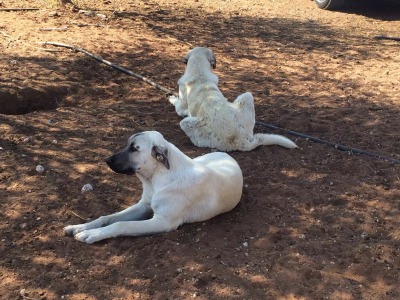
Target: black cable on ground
334 145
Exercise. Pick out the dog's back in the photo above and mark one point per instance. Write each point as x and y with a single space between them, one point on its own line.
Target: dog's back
225 177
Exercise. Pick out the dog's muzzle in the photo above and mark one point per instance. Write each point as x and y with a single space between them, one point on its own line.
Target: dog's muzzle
117 163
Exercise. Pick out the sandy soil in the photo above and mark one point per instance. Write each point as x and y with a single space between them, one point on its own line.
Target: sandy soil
313 223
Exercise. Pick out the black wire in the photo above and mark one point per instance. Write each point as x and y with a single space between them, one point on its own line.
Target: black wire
334 145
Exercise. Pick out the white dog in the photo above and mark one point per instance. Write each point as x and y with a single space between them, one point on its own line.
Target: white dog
176 189
213 121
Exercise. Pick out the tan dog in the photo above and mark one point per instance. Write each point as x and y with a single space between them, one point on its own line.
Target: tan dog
212 121
176 189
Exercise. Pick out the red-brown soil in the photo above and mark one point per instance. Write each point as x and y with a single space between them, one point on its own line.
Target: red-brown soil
313 223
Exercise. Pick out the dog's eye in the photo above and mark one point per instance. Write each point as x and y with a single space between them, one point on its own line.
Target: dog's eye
133 147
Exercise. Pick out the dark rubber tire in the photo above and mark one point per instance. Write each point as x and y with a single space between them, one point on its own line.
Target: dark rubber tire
329 4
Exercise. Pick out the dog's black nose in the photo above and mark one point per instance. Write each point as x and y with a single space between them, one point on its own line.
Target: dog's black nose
110 160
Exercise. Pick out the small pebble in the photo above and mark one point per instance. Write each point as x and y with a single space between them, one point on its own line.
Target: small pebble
54 14
87 187
365 236
88 13
245 244
39 169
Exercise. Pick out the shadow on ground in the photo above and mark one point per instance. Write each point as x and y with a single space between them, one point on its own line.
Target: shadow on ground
374 9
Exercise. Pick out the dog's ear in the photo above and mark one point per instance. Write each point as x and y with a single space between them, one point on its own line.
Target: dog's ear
212 59
185 59
161 154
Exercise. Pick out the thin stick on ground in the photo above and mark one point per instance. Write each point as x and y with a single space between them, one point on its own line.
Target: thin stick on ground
76 215
384 37
17 9
119 68
54 28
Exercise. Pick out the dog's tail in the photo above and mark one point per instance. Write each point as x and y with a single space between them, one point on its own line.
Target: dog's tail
267 140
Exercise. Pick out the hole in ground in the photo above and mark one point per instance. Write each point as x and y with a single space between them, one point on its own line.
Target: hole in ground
25 100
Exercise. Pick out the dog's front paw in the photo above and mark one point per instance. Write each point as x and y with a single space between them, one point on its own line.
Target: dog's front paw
73 229
89 236
173 99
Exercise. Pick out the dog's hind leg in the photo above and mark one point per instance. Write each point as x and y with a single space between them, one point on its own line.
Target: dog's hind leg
194 129
139 211
156 224
245 105
245 100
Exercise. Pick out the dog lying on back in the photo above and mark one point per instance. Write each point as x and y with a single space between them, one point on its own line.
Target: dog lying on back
212 121
176 189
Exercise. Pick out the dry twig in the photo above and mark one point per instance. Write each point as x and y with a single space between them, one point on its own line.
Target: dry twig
384 37
76 215
17 9
49 50
86 24
54 28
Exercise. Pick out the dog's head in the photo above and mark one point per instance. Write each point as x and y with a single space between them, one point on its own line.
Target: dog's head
202 52
143 154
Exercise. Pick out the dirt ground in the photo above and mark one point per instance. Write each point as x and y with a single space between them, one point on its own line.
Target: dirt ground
313 223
